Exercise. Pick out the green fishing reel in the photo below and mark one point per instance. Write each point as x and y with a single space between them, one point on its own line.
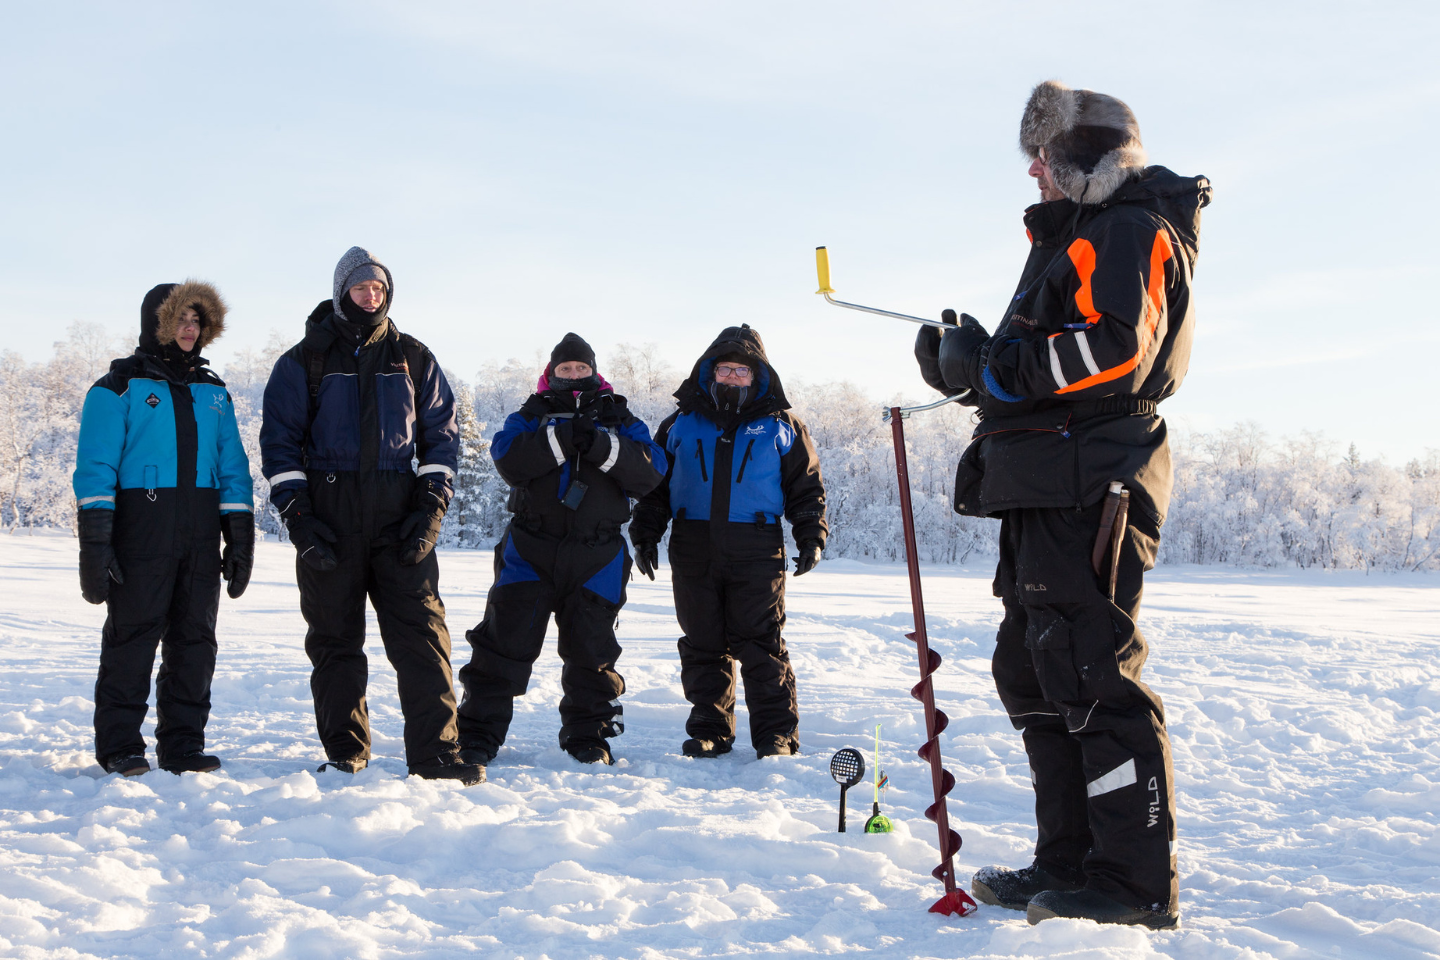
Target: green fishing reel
878 822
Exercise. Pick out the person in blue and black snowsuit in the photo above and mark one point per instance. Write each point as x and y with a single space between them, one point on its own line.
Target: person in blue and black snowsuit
346 410
161 476
739 461
574 456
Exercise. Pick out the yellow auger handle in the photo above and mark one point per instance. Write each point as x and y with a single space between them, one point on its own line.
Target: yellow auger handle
822 270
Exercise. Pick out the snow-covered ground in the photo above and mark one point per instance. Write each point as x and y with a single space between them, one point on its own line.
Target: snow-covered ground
1304 709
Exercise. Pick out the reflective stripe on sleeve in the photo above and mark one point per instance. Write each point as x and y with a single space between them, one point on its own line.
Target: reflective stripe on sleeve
1083 343
434 468
89 500
1060 382
555 445
241 507
614 450
287 476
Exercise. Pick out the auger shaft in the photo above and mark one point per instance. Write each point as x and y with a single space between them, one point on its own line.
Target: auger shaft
942 781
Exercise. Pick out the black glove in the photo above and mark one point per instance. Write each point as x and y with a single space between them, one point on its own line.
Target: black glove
647 557
238 557
962 354
809 556
582 434
312 538
421 529
97 557
927 352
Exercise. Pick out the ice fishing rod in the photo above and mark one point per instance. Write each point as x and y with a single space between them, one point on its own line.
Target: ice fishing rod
878 822
822 272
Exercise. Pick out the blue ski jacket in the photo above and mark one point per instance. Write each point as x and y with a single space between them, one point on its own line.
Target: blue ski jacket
749 463
158 440
139 426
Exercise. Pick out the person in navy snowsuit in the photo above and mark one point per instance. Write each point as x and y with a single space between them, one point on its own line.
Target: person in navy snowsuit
346 410
574 457
160 477
739 461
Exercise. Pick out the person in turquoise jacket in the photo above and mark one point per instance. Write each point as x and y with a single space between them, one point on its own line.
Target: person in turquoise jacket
161 476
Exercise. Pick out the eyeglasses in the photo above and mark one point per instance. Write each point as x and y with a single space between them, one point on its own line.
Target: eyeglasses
730 370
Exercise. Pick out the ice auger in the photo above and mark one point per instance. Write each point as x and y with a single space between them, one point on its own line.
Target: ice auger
955 900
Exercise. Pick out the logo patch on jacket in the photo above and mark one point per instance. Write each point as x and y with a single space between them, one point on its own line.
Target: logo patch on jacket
755 430
153 400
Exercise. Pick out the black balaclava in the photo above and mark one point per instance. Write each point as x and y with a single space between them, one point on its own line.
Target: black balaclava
572 347
728 397
361 317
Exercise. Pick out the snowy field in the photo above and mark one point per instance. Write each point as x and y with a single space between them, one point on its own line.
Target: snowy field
1304 709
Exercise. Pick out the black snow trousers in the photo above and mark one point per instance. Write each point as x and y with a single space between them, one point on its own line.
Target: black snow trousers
1067 667
365 511
582 582
733 611
169 600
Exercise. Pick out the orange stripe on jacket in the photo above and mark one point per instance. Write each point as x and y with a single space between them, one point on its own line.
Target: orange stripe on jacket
1160 252
1082 254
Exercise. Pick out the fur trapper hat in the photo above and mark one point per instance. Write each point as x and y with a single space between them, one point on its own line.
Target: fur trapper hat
1092 141
200 296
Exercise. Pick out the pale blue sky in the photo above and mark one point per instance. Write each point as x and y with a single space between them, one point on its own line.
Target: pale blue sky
654 171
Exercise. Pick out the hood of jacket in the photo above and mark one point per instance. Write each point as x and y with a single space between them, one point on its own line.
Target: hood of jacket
694 393
353 260
160 316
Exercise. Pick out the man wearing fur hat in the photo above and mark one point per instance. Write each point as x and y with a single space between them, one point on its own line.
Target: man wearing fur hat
574 457
346 411
161 477
1097 334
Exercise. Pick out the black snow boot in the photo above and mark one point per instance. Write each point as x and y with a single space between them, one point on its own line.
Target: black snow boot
590 751
1015 889
784 747
127 765
353 765
449 767
195 762
475 752
1093 905
707 748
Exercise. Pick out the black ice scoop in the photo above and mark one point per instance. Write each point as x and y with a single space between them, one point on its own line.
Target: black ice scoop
848 769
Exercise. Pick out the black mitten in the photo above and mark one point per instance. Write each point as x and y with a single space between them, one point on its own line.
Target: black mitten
97 556
313 540
238 557
647 557
420 530
809 556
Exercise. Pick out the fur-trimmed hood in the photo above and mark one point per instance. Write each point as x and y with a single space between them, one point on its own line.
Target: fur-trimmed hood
160 314
1091 140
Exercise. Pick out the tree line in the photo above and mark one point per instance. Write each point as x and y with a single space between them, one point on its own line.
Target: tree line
1240 497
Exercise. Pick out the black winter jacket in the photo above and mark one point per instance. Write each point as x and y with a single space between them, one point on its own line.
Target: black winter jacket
535 453
368 415
1098 332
